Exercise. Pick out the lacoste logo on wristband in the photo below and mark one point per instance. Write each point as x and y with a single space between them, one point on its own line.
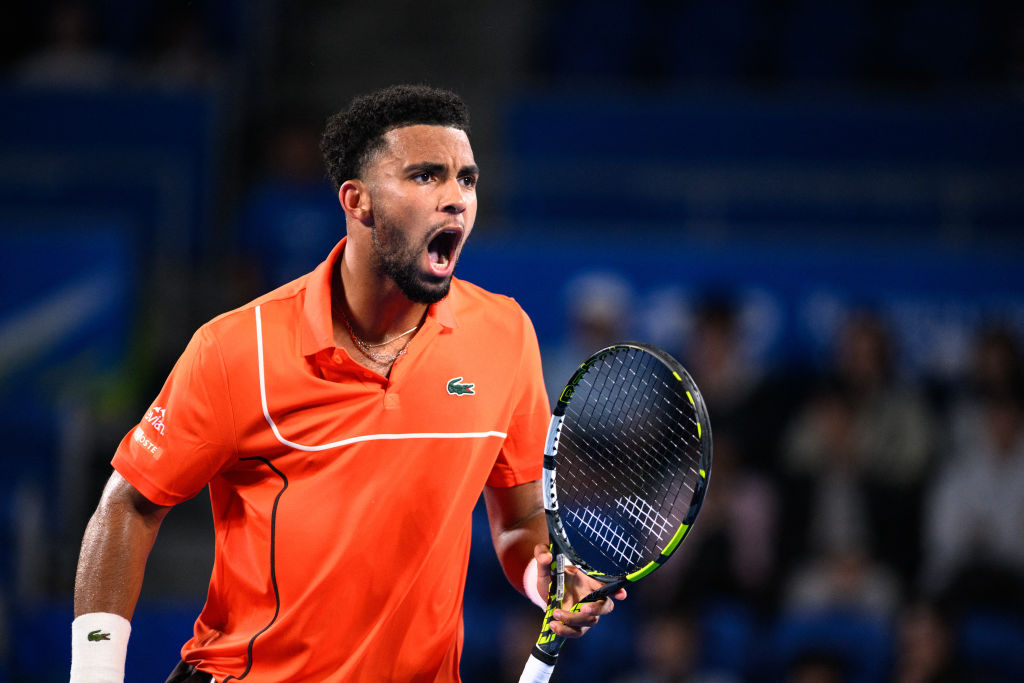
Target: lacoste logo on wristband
98 635
457 388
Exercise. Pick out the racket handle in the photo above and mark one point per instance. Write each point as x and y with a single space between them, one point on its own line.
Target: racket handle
536 671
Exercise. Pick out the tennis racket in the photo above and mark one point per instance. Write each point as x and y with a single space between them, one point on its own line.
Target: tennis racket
626 468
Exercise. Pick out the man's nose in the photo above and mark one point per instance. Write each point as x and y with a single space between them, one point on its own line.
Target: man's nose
453 197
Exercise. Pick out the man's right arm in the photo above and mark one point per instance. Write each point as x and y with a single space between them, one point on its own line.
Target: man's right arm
114 550
110 570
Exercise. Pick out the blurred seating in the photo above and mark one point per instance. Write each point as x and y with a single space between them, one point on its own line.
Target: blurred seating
992 644
863 643
729 639
825 42
708 41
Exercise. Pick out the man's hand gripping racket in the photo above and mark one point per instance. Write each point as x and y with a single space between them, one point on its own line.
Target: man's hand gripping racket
626 468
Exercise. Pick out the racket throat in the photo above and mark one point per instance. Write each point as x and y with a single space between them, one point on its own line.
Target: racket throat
605 591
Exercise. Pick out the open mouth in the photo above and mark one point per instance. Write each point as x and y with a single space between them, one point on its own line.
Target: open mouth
441 249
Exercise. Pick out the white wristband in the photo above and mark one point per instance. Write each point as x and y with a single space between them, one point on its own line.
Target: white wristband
530 585
99 646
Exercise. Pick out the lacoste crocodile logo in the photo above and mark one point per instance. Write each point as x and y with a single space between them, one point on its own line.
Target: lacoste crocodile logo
98 635
457 388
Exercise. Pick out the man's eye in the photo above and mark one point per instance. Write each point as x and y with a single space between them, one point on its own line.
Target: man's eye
424 177
468 181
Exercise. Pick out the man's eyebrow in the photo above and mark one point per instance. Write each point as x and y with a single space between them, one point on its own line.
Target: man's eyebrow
437 168
425 167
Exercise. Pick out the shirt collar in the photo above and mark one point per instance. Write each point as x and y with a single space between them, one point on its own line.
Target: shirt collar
317 321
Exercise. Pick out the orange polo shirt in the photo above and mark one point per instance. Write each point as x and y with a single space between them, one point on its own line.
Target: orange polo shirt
342 500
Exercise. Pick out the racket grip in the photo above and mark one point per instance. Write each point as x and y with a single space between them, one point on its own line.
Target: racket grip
536 671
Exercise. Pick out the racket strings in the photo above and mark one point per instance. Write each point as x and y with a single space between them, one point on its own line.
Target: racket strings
599 440
640 441
643 443
628 433
645 515
609 536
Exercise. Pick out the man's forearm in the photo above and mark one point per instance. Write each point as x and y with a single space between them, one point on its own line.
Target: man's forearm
518 524
112 562
517 546
115 547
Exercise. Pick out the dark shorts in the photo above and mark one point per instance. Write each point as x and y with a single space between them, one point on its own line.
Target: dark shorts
186 673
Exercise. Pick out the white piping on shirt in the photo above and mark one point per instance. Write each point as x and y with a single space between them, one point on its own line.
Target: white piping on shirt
354 439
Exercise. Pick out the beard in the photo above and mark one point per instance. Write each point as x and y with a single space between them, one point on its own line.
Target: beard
398 257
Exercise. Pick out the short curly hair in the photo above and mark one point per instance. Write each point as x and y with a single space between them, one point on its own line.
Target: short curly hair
354 134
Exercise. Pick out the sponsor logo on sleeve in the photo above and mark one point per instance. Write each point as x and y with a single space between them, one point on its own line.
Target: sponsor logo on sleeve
155 417
140 438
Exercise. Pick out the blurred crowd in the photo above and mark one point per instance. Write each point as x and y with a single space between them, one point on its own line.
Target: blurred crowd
95 45
922 44
861 524
914 45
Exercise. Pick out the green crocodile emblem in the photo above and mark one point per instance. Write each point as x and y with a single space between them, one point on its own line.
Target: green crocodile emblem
457 388
98 635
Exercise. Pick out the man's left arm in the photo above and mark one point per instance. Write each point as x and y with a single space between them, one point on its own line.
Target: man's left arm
520 536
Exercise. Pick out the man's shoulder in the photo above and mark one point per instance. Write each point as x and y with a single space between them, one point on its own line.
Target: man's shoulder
498 316
474 299
239 320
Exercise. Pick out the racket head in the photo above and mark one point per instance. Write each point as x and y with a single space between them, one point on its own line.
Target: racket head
627 462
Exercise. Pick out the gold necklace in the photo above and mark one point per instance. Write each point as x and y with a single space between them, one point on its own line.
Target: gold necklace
367 347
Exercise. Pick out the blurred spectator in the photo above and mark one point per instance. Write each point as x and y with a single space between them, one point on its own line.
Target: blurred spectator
894 436
668 647
716 355
996 367
731 552
739 398
843 578
71 57
856 456
838 499
975 513
599 308
926 647
291 217
817 666
664 319
182 52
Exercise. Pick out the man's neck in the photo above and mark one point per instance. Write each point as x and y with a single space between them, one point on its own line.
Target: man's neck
374 307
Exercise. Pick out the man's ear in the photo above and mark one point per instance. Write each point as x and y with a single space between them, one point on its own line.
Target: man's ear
354 197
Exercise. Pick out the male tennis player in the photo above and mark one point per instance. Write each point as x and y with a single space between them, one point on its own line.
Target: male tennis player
346 424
